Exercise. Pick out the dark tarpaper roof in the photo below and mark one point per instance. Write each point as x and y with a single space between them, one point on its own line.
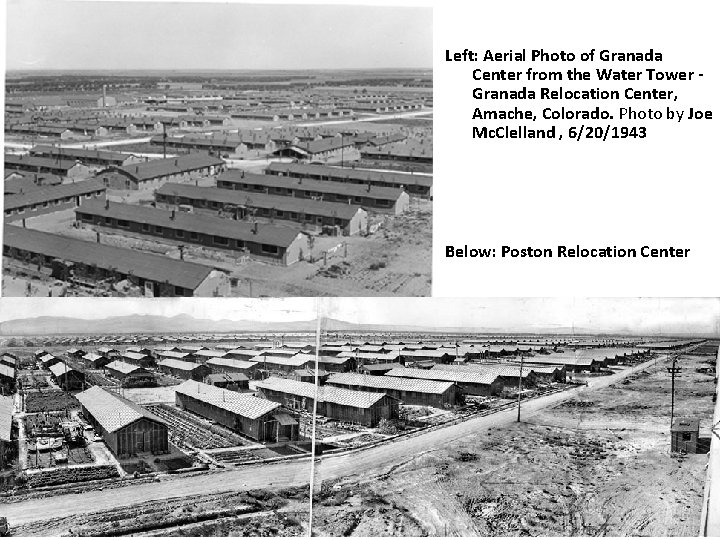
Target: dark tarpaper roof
308 184
50 193
156 168
227 228
226 377
354 174
143 265
14 160
261 200
685 424
79 153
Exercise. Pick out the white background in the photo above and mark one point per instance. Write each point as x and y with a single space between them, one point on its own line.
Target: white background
661 191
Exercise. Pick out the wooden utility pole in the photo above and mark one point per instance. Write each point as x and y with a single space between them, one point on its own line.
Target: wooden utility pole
673 371
522 358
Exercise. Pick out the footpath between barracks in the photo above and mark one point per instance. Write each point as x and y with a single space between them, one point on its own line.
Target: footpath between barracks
262 474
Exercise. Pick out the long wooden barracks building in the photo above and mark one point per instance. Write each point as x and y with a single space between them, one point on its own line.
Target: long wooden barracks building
258 418
283 245
409 391
126 428
358 407
317 215
48 199
393 200
68 257
473 383
415 184
96 158
153 173
69 168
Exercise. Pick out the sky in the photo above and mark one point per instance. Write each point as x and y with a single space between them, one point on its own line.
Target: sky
516 315
60 34
235 309
608 315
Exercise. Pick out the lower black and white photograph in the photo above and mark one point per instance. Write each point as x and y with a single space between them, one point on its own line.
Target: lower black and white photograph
368 417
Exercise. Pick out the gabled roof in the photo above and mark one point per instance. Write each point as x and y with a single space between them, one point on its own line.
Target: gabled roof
506 369
126 261
244 405
6 409
7 371
381 367
470 377
344 173
172 354
80 153
28 161
21 181
210 353
226 377
569 359
158 168
423 353
42 194
329 394
61 368
124 367
291 361
231 362
383 382
135 355
236 176
199 223
335 360
111 411
260 200
179 364
324 145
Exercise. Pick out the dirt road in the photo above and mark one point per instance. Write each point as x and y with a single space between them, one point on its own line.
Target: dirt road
595 464
286 474
373 118
361 462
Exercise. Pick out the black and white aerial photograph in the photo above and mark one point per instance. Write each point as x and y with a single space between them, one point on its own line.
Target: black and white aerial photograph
368 417
217 149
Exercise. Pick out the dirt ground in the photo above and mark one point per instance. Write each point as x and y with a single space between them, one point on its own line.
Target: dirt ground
597 465
253 513
396 261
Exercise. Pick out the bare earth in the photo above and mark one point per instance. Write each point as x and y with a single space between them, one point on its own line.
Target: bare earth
598 464
585 461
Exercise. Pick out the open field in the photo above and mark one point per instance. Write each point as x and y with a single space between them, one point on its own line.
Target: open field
598 464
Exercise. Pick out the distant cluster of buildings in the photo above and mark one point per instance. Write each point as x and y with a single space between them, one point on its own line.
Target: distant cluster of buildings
361 382
198 201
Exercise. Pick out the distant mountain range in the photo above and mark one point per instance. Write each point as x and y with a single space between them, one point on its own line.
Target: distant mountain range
141 324
187 324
